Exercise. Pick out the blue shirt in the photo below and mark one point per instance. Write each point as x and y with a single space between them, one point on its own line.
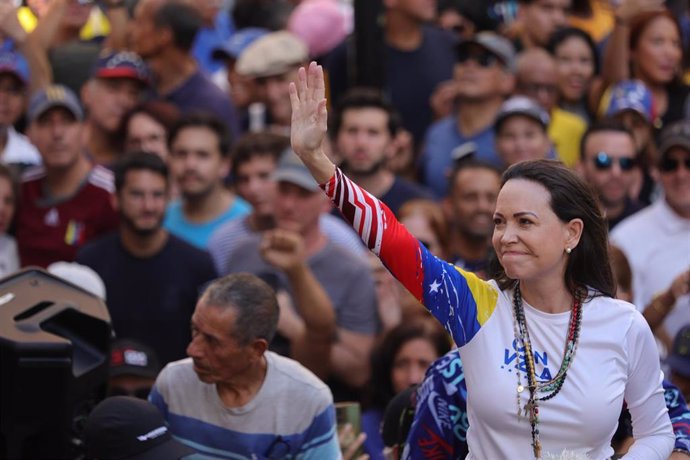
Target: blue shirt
441 139
208 38
199 234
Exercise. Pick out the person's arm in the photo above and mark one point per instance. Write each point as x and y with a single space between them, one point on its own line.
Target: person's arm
662 304
312 339
616 58
40 74
48 25
644 395
116 12
680 419
458 299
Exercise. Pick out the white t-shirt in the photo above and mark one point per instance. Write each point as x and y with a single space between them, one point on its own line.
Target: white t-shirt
616 359
9 257
656 242
19 150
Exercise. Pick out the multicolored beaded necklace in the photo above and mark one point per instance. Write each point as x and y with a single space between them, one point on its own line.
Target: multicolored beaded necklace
549 388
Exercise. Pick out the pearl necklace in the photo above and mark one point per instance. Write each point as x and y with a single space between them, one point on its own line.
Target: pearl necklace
552 387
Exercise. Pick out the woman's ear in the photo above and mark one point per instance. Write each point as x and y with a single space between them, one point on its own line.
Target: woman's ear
574 230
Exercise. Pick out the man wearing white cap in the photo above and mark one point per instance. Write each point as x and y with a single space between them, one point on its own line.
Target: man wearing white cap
272 61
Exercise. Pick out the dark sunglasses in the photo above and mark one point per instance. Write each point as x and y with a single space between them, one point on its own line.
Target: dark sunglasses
604 161
672 164
484 59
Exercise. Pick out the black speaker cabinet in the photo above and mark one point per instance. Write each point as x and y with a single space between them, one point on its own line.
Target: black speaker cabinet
54 351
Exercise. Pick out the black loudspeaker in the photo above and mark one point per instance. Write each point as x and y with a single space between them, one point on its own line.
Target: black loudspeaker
54 352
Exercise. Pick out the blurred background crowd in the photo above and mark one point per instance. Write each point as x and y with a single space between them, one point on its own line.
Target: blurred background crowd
144 152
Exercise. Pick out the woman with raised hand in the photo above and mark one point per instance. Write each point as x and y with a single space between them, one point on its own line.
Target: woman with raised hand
549 354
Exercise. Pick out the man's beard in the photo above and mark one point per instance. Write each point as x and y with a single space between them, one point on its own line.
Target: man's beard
142 232
368 172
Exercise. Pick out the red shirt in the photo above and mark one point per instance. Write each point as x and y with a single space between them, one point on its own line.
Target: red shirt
50 230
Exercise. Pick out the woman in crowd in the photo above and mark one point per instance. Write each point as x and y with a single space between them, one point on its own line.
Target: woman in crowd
529 396
577 67
399 361
647 46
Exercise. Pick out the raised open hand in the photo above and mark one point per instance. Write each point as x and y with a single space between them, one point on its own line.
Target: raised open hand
309 118
310 121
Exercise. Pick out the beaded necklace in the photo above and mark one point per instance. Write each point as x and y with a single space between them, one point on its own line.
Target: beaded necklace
549 388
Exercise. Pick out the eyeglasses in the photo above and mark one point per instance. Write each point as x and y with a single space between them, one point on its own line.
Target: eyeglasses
484 59
672 164
603 161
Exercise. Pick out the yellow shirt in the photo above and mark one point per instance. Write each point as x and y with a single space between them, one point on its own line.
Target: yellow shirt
96 26
566 130
600 24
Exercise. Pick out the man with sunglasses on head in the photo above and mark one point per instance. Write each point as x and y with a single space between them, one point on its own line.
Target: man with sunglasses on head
656 240
484 77
607 162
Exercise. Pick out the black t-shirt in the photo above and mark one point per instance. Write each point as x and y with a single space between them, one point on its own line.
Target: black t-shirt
403 191
151 299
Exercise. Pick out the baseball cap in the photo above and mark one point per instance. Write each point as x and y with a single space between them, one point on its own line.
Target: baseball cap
121 64
131 357
51 97
291 169
679 359
676 134
80 275
631 95
521 105
238 42
14 63
273 54
320 23
122 427
495 44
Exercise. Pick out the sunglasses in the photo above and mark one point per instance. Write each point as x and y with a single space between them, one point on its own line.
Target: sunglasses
672 164
484 59
604 161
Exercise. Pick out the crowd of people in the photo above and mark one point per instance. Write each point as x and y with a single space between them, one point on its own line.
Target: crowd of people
211 171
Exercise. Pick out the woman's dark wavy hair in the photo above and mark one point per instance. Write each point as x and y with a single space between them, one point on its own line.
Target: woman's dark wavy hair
379 391
571 198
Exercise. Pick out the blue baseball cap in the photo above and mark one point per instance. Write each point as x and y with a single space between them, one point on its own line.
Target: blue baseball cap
14 63
51 97
122 64
631 95
238 42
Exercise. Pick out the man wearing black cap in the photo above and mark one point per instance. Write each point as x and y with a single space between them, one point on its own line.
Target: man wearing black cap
67 201
656 240
484 76
134 367
126 428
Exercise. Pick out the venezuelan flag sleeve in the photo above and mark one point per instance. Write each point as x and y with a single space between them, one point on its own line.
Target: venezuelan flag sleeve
458 299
